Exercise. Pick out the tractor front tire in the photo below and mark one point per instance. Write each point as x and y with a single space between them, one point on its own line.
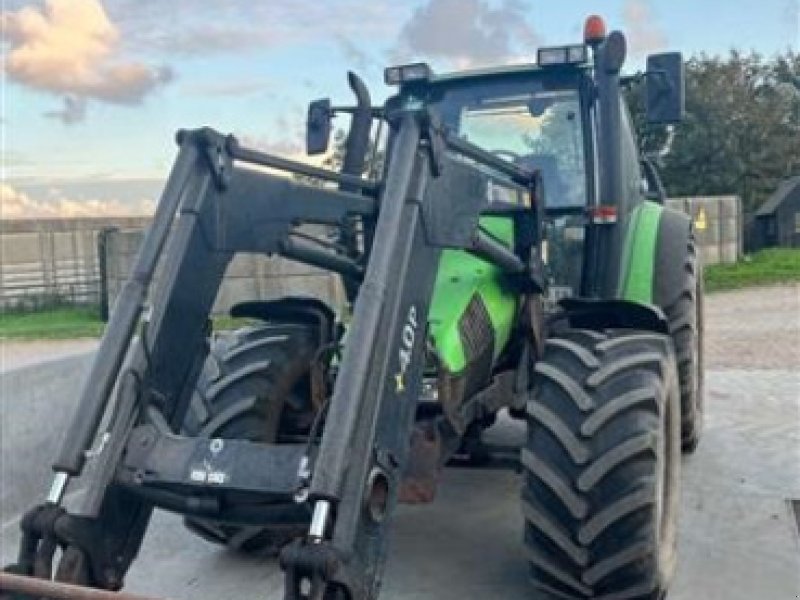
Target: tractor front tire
602 466
253 386
685 318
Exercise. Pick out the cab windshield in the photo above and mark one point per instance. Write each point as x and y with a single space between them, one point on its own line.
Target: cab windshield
529 125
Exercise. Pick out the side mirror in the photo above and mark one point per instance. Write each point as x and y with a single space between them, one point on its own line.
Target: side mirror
318 126
666 92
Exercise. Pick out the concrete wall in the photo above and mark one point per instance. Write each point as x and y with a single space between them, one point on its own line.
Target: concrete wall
46 260
718 224
249 276
57 259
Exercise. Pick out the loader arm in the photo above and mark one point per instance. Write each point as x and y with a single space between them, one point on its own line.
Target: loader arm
366 439
214 206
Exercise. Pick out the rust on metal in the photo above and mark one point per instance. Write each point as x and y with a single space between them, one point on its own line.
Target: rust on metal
55 590
421 474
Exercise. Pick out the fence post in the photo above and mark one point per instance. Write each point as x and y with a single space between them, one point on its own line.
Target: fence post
102 265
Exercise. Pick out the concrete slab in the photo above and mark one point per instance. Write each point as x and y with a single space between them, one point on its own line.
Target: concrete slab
738 538
36 404
16 354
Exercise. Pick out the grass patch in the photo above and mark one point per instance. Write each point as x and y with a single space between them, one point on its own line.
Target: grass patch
226 322
770 266
774 265
61 323
70 322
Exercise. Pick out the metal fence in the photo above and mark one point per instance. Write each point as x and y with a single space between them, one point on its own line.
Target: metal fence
49 262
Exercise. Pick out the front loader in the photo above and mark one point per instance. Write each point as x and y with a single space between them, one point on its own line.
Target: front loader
509 260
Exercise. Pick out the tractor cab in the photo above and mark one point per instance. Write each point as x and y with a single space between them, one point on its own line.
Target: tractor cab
565 118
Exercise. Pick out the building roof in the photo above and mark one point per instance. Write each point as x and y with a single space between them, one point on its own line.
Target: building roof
784 190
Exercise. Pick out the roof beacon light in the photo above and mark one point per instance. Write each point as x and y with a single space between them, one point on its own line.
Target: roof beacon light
594 30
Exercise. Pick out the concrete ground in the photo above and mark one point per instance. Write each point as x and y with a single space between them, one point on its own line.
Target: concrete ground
739 539
16 354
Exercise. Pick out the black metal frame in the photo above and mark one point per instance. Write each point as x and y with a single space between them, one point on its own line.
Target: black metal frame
216 205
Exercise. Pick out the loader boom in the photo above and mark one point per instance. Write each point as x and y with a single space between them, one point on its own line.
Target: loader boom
213 207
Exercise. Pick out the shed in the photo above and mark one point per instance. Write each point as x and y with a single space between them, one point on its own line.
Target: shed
777 221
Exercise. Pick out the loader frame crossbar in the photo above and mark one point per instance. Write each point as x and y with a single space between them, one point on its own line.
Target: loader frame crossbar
215 205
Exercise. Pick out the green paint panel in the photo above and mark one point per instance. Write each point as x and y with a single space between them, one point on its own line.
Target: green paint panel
639 254
459 277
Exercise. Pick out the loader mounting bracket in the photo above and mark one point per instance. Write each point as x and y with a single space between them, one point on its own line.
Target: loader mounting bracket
312 562
214 148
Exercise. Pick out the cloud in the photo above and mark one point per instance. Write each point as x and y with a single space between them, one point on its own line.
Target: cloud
288 146
467 32
214 38
238 26
644 34
16 204
70 48
73 112
243 87
356 57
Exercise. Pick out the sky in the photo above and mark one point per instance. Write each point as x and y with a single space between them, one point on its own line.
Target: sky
93 90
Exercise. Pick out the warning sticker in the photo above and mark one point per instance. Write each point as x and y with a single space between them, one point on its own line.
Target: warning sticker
700 221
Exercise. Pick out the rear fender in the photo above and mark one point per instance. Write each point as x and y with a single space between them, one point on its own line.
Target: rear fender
611 314
291 309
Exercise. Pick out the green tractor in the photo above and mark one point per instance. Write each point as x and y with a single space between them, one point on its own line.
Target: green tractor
514 257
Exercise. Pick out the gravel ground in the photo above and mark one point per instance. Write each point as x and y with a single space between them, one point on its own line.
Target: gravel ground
757 328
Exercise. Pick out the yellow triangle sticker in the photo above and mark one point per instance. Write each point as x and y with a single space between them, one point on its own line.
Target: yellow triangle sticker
700 221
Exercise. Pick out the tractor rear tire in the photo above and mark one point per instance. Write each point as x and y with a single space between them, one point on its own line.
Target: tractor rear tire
254 386
685 317
602 466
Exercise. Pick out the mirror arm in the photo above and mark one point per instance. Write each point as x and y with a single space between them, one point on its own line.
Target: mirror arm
639 76
629 80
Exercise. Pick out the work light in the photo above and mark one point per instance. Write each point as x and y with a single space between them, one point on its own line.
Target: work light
406 73
562 55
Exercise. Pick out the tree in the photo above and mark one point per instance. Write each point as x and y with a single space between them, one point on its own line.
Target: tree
373 165
741 134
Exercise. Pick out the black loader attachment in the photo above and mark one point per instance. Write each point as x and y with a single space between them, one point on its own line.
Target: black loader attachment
222 199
